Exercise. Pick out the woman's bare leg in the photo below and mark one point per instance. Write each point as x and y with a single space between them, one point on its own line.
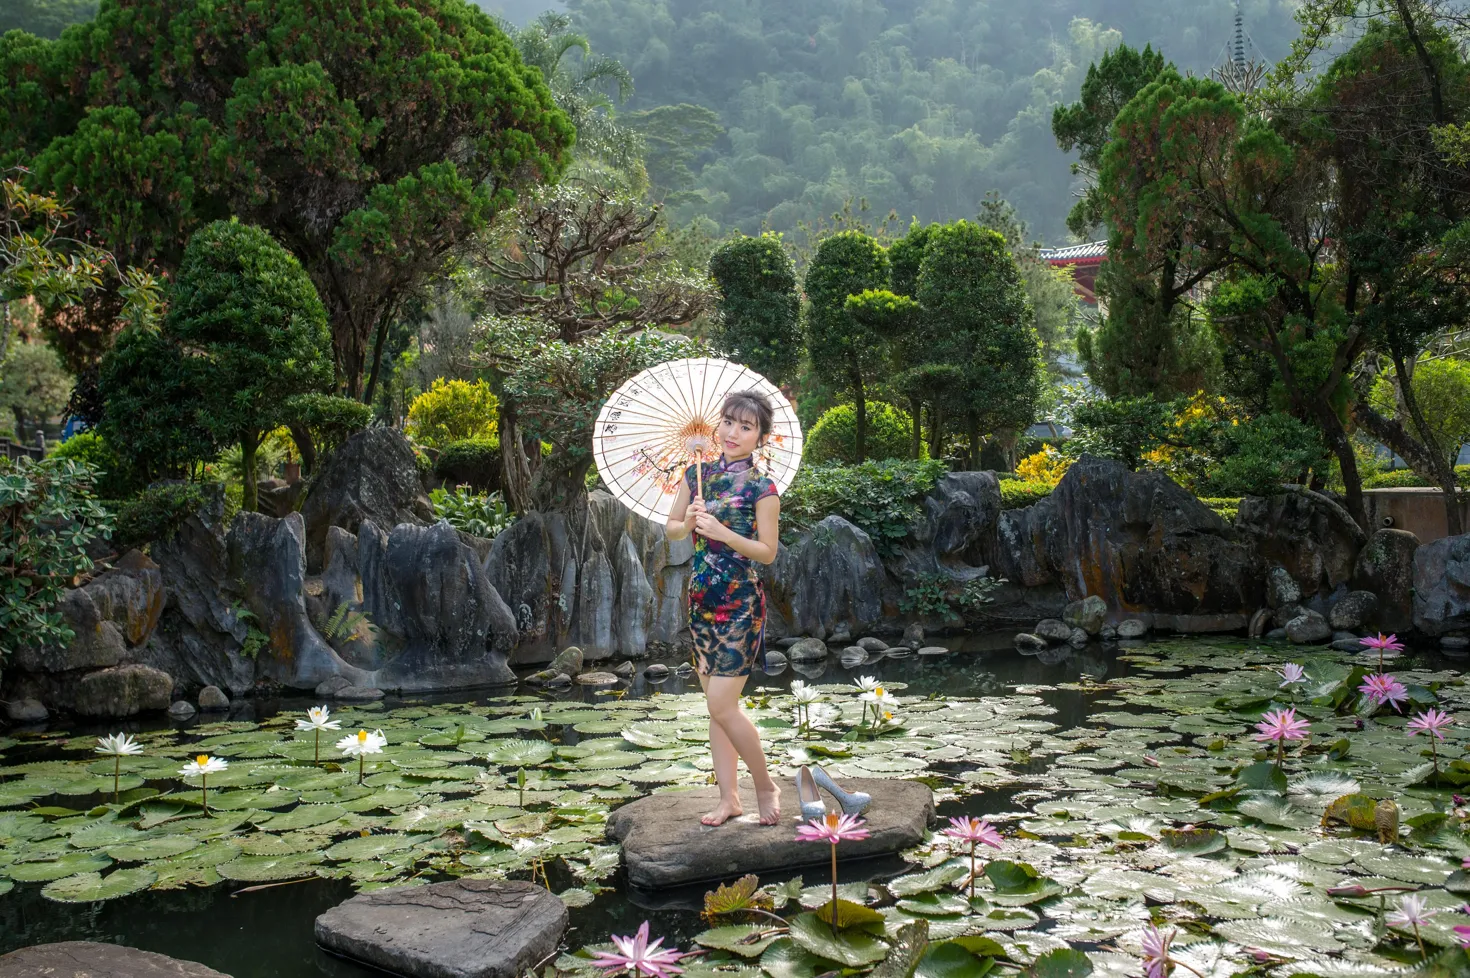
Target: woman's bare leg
726 771
722 693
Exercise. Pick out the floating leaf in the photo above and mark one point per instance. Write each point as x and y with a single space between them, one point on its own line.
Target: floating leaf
92 887
784 958
849 914
734 897
54 869
950 959
1061 963
909 945
259 869
746 940
853 948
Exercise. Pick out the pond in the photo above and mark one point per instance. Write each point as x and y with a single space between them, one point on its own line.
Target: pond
1126 782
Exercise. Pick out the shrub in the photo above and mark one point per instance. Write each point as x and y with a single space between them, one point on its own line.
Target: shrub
474 462
1227 507
1047 465
834 438
453 410
156 513
1123 429
463 509
1258 456
48 518
1017 493
883 499
327 419
114 480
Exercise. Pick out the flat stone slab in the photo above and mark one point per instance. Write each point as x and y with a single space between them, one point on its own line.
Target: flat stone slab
665 844
464 928
88 959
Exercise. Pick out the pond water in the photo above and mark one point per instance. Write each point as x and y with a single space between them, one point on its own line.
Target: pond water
1053 747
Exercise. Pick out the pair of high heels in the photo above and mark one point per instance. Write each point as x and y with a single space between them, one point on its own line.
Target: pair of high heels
808 779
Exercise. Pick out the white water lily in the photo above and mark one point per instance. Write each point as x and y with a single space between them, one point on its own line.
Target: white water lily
360 745
202 767
879 697
804 692
318 718
866 684
118 745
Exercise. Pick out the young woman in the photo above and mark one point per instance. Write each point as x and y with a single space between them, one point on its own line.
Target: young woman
736 525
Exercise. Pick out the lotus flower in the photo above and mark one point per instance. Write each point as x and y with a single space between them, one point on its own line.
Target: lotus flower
1432 722
1156 952
866 684
975 831
635 955
832 829
318 718
1413 911
202 767
1383 644
805 696
361 745
1383 688
117 746
1291 674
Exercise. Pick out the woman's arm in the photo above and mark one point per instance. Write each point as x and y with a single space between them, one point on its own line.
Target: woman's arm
767 531
683 514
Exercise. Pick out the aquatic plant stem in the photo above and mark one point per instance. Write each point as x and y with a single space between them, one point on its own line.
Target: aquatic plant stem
834 889
972 869
1423 954
361 763
116 771
317 757
204 792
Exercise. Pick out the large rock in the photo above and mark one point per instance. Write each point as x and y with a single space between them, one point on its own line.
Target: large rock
953 535
1307 533
446 626
467 928
1087 614
1282 590
1385 566
121 691
1308 628
88 959
1353 611
1053 630
831 580
1135 539
268 558
807 650
1442 585
109 616
373 476
665 844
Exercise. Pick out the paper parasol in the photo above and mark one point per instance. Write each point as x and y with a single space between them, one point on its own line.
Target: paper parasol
660 422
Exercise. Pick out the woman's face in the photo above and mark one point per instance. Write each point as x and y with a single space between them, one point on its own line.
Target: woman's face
739 437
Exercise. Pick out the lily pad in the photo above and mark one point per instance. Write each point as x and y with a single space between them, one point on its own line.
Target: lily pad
93 887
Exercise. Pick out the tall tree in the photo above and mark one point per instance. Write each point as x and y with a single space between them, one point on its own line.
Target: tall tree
371 140
846 351
759 306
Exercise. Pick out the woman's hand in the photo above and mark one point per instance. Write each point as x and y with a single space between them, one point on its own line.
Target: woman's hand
709 527
692 513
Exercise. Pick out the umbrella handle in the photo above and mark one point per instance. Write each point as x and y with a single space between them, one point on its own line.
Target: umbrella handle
699 474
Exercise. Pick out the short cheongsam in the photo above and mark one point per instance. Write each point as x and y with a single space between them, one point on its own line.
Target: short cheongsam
727 605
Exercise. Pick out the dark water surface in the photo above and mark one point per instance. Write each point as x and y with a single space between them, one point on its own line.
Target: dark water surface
268 932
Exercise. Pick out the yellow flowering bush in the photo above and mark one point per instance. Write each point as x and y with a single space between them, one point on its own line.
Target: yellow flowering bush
453 410
1187 459
1047 465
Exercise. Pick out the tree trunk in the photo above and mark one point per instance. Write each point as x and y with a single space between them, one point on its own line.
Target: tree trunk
936 430
918 436
20 426
249 497
560 484
515 465
1339 444
1443 474
1421 461
860 413
972 433
379 338
306 445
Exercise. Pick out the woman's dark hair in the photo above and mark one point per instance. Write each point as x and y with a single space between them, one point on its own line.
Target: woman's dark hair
749 406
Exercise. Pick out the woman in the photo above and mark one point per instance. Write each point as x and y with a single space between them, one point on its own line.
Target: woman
736 526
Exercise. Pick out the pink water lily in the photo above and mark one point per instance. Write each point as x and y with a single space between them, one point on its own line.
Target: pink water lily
1384 689
832 829
637 956
1432 722
975 831
1462 931
1413 912
1156 952
1291 674
1280 726
1383 644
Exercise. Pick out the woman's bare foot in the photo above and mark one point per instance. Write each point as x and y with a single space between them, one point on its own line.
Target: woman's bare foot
723 812
769 803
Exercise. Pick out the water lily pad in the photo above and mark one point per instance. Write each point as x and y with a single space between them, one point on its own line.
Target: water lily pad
260 869
145 850
369 846
92 887
518 753
784 958
746 940
853 948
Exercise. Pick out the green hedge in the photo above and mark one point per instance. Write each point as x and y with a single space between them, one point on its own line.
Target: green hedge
155 513
471 462
114 481
1226 506
1406 479
1016 494
834 437
881 498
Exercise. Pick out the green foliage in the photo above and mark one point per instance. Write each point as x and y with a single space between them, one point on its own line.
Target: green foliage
453 410
328 419
1228 507
1441 387
881 498
1018 494
346 625
759 305
45 18
833 439
156 513
1258 456
48 518
151 395
113 475
247 305
294 111
1407 479
939 596
474 462
1123 429
674 137
34 386
476 514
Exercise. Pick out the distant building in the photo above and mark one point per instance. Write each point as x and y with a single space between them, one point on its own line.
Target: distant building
1084 260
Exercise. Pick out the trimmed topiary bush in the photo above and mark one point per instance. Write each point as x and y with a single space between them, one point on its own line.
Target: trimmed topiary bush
156 513
834 437
1017 493
881 498
453 410
473 462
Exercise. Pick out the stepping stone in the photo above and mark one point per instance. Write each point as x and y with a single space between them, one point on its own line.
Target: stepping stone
664 843
931 650
87 959
467 928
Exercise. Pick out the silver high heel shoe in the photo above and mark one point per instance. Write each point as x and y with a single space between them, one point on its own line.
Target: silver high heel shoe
812 805
852 802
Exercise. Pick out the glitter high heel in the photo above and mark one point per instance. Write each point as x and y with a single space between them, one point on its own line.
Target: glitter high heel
852 802
812 805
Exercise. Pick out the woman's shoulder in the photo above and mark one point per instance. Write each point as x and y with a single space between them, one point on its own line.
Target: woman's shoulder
763 486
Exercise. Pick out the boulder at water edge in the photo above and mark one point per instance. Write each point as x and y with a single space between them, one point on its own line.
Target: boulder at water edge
87 959
665 844
1386 567
373 476
467 928
829 582
1313 537
1442 585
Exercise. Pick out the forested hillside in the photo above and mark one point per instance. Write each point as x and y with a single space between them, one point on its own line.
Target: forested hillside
921 106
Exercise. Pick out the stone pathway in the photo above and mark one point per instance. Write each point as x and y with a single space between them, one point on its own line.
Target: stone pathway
664 843
86 959
467 928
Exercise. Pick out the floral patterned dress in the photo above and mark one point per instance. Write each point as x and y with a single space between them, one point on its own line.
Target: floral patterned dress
727 605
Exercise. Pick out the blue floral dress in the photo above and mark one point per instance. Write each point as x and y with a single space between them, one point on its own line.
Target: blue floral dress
727 604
